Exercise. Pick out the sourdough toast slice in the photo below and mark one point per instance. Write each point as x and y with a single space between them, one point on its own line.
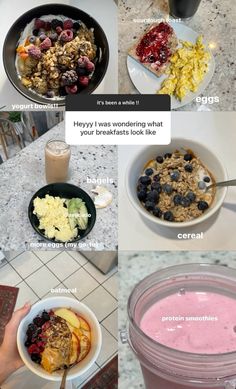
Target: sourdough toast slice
155 47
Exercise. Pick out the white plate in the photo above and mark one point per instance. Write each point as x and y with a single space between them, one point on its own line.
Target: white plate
148 83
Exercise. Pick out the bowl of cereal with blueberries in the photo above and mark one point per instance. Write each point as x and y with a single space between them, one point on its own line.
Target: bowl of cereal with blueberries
53 51
170 185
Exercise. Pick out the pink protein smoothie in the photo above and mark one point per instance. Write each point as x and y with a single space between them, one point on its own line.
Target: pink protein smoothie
182 327
195 322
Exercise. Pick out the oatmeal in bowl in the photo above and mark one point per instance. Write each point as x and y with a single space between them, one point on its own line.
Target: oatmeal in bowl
58 333
169 184
53 51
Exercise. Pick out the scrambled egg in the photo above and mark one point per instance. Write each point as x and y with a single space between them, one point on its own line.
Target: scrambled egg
53 218
188 66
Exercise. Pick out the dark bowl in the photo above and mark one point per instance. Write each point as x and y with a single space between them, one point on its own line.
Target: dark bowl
13 35
66 191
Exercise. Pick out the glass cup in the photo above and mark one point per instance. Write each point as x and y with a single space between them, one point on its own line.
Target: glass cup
164 367
57 158
183 9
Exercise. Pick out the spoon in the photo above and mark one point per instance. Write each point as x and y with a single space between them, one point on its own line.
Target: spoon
223 183
63 381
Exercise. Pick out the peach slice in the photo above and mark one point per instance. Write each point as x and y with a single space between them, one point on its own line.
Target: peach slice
85 346
83 323
69 316
75 349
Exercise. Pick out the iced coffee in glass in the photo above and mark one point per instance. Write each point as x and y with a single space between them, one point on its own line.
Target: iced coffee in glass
57 158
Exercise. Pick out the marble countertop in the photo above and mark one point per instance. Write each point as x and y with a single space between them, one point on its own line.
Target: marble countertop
214 19
133 267
22 175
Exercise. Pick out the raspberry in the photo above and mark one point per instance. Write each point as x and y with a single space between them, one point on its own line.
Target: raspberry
46 44
38 23
58 30
90 66
69 78
68 24
33 349
56 23
47 26
34 52
84 81
66 36
82 61
71 90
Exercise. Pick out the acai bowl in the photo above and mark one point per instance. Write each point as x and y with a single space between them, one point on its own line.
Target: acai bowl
168 185
63 324
55 50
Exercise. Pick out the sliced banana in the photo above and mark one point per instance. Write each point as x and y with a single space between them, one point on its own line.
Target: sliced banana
103 198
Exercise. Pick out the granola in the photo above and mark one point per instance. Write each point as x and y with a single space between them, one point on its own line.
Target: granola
173 187
56 56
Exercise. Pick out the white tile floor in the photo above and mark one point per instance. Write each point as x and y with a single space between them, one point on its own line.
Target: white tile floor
57 269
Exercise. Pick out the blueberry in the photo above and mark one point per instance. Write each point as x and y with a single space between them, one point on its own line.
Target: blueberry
50 94
42 37
56 23
175 175
185 202
32 39
38 321
142 195
191 196
141 187
145 180
53 36
206 179
36 358
167 188
45 316
159 159
149 172
157 212
188 157
156 177
168 216
177 199
153 196
202 185
149 205
167 155
202 205
188 168
156 186
27 343
81 71
77 25
35 32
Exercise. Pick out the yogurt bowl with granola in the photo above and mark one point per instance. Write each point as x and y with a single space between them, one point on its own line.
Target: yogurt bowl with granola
168 185
59 51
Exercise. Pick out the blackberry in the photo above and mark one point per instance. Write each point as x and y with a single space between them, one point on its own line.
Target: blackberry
36 358
56 23
35 32
70 77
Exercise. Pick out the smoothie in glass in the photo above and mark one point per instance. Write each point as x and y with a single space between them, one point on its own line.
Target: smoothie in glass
57 157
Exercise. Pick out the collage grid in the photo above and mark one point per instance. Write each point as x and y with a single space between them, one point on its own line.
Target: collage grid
36 273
